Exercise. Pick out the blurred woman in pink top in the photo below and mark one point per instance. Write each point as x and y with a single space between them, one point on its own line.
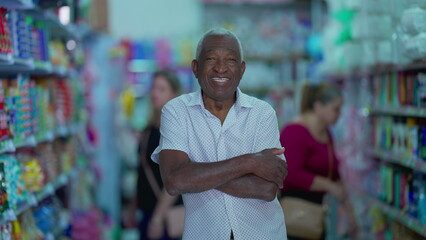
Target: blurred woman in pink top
312 162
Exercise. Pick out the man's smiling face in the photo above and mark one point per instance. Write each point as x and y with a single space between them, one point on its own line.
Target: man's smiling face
219 67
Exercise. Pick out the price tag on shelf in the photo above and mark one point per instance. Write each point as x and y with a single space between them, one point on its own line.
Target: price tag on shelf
49 136
31 141
10 146
3 149
32 200
63 179
10 215
63 131
49 236
49 189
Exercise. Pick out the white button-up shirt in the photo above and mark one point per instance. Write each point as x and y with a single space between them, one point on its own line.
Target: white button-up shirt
250 127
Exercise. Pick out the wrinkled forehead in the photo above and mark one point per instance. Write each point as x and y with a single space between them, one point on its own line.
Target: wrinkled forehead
220 43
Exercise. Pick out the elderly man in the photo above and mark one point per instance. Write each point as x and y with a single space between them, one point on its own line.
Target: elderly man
220 149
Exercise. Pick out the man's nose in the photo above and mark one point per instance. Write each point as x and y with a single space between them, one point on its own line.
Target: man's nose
220 66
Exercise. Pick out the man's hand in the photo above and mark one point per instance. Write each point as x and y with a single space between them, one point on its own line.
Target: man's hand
180 175
270 167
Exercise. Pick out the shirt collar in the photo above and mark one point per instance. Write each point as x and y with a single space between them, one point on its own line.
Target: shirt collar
243 100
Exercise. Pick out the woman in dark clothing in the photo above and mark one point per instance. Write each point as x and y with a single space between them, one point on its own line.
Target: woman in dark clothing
153 201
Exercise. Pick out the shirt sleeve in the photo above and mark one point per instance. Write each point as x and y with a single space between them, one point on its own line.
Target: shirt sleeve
173 134
293 138
268 134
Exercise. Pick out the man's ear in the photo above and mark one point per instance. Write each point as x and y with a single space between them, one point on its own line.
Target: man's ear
194 66
243 68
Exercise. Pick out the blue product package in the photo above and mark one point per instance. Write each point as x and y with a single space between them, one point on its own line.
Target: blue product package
421 201
422 143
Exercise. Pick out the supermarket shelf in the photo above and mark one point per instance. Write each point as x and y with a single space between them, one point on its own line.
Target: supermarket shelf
7 146
29 66
273 59
402 111
264 3
378 69
46 137
416 66
7 216
60 71
51 187
17 4
56 28
401 159
6 59
63 131
18 65
35 198
32 141
398 215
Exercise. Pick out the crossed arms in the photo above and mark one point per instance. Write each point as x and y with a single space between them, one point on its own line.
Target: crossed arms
257 175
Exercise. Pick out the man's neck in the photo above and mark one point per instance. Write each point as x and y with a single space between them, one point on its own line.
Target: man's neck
219 109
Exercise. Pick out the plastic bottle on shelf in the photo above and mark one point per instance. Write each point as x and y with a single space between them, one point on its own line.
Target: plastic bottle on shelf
416 193
4 203
16 230
6 231
388 134
5 42
412 138
411 204
422 139
421 90
421 205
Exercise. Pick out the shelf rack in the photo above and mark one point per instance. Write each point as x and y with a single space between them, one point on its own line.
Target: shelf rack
282 3
401 159
28 66
32 141
17 4
400 111
35 198
398 215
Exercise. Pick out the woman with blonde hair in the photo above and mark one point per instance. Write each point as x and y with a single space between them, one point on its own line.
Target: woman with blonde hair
312 162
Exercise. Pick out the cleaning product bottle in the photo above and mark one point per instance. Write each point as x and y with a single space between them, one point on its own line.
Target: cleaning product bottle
421 204
412 138
422 139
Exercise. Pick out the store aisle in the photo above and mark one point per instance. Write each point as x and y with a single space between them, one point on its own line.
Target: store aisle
76 79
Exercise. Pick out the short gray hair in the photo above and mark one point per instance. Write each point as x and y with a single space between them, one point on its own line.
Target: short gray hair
221 32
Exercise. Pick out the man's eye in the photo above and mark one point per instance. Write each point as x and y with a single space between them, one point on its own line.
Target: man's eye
232 60
210 59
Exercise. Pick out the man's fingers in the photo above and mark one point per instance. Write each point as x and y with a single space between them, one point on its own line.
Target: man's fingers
279 182
278 151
